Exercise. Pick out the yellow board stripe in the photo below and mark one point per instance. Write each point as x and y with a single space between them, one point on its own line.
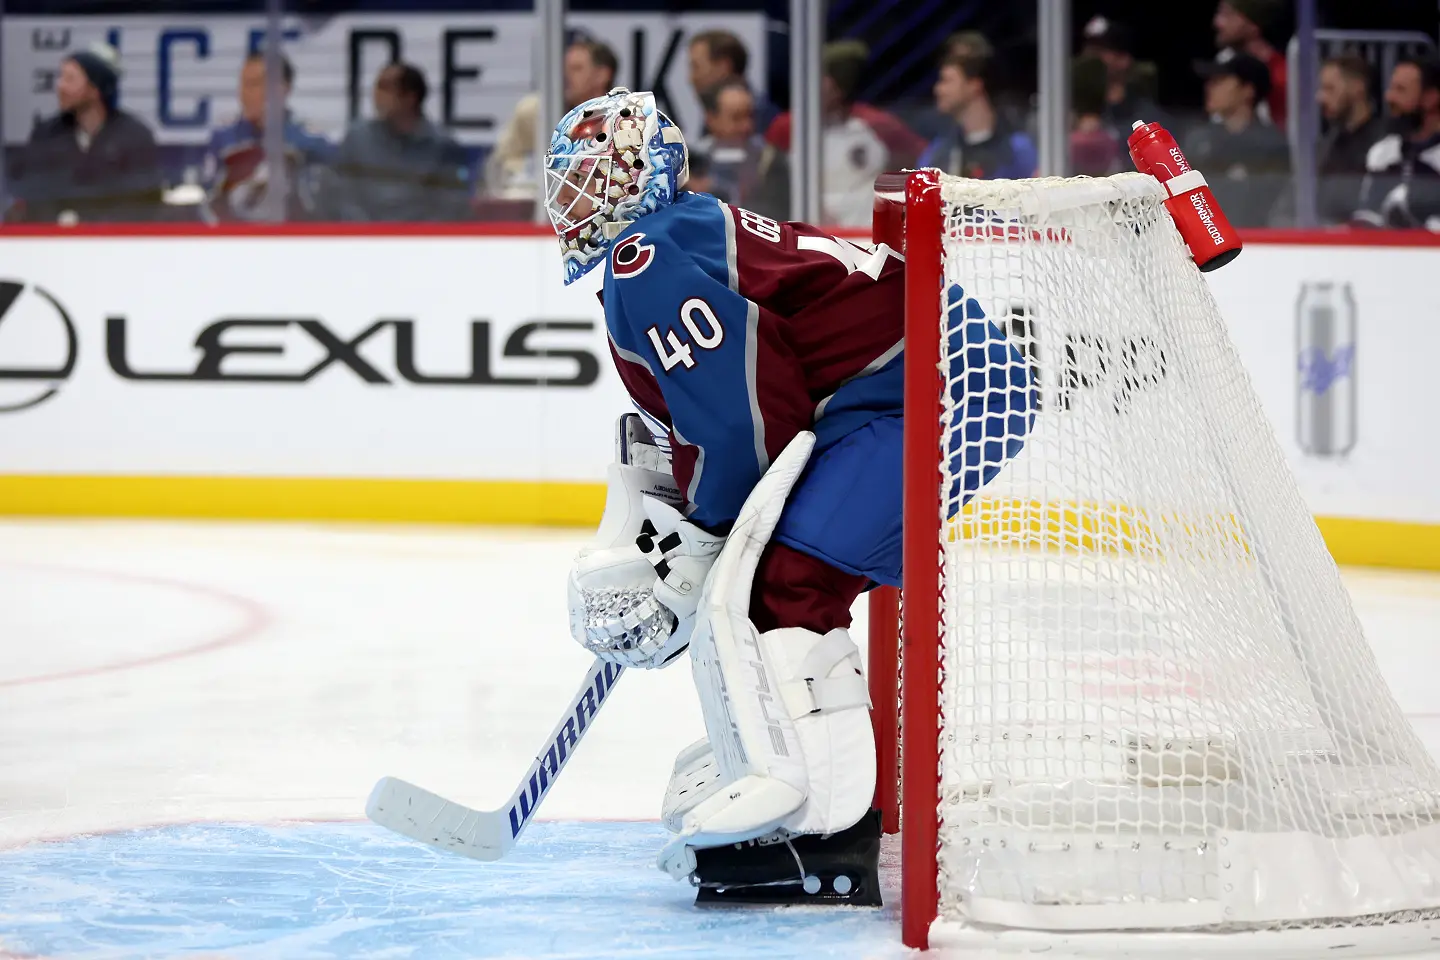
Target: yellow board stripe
1116 527
304 498
1120 528
1088 526
1382 543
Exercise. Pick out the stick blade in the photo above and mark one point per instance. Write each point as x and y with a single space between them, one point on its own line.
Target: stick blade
417 813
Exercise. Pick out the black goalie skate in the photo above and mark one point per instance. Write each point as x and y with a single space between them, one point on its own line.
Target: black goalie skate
839 869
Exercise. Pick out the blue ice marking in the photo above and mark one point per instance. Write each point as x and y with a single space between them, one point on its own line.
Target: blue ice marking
570 890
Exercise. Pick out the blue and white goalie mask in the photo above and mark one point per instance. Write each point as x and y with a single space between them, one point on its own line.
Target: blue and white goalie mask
612 159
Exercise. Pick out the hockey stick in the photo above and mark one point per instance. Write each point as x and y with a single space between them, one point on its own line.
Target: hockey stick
417 813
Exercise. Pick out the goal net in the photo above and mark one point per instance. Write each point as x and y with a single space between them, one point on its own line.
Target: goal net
1135 695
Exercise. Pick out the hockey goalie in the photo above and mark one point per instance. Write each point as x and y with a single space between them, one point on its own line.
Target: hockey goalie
756 494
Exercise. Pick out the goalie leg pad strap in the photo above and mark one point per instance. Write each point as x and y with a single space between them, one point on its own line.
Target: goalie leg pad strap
813 689
829 702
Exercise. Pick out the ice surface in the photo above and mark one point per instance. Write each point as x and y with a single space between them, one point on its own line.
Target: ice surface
569 890
170 692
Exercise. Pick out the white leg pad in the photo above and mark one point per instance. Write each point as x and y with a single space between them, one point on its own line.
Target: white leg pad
756 747
823 785
825 693
786 712
694 778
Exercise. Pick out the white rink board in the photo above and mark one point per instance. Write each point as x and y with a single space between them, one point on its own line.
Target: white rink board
170 289
1390 472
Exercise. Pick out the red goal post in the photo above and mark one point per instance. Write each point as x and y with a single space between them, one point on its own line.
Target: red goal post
907 217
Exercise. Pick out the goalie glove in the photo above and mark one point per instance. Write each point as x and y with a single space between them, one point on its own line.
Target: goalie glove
634 591
635 604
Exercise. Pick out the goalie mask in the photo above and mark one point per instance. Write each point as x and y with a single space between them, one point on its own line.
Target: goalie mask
612 159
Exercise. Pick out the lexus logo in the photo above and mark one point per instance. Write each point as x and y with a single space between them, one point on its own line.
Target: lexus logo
37 346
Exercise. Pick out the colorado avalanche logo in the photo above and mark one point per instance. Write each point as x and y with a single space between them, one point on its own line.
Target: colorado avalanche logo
631 257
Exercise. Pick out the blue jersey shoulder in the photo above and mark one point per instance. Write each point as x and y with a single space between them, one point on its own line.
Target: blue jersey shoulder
692 233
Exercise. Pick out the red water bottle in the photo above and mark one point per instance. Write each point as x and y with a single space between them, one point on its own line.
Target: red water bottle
1213 242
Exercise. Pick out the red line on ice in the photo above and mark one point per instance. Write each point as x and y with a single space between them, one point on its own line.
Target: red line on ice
256 619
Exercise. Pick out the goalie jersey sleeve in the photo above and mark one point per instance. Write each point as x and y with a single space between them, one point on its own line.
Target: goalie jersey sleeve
733 332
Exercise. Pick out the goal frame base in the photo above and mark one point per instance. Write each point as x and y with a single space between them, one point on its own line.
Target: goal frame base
1418 939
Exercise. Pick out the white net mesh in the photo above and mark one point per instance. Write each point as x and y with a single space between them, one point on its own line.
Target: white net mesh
1159 710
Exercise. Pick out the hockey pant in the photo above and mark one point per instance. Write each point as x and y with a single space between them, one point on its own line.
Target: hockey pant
841 531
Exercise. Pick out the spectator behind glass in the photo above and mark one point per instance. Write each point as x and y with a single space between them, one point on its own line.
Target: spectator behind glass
968 43
1094 150
511 169
1011 105
1240 27
1245 159
718 57
1129 93
91 162
235 173
858 141
741 167
589 71
699 180
399 166
978 142
1402 181
1352 128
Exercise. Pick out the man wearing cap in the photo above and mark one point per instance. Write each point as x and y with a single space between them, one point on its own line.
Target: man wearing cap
92 161
1130 84
1245 159
1240 27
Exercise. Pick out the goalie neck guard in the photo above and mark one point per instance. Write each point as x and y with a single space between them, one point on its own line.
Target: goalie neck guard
612 159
